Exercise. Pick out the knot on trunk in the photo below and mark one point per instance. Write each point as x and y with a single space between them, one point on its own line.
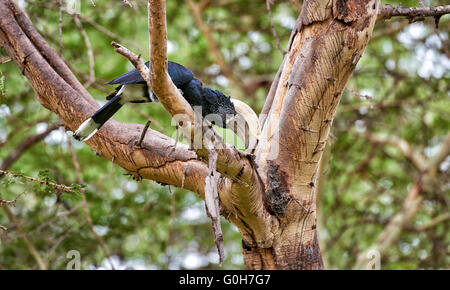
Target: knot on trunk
277 195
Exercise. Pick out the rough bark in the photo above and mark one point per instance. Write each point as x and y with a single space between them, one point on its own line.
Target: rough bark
327 42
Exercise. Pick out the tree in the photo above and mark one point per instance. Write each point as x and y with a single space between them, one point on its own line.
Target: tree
271 196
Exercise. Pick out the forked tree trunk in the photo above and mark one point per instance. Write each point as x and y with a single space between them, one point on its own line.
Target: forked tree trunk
271 199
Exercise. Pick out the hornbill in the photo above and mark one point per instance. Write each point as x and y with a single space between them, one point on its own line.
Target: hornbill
132 88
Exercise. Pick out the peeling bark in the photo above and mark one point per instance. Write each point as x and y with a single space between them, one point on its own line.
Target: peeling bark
212 202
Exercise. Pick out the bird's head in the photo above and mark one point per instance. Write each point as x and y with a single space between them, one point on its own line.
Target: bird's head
217 107
231 113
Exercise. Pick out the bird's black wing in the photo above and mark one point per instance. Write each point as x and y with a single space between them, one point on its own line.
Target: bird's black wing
178 73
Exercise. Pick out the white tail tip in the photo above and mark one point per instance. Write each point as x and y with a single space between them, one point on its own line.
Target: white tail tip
86 130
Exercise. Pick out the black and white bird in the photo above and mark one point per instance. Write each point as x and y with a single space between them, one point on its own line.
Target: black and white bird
132 88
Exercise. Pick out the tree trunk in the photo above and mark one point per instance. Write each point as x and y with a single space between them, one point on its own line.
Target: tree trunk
270 198
326 44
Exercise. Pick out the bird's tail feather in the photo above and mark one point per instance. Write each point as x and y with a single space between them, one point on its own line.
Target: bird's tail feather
91 125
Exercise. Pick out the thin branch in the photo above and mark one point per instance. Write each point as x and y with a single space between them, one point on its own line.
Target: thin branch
413 13
392 231
60 26
403 146
87 213
27 143
42 265
107 32
274 32
57 187
444 43
206 31
4 59
434 222
134 59
126 2
196 10
90 53
10 202
144 131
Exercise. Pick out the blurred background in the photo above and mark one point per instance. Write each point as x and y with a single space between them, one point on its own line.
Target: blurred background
393 119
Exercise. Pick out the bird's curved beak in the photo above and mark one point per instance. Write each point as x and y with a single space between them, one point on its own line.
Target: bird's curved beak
245 124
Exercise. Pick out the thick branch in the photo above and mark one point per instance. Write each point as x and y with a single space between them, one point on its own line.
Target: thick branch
230 162
162 85
59 91
325 46
245 199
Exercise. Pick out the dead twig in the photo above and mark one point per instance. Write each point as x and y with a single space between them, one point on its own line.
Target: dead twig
144 131
212 202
